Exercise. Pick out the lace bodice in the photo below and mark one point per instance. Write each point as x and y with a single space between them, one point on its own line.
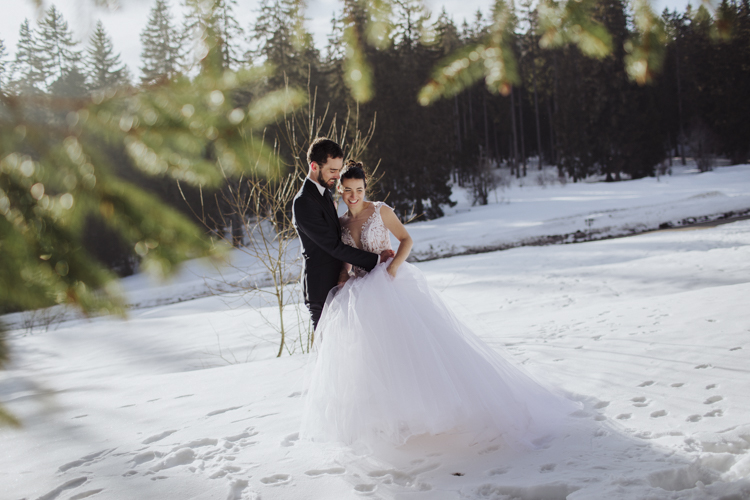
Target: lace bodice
373 235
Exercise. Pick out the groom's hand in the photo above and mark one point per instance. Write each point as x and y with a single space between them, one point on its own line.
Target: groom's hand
386 254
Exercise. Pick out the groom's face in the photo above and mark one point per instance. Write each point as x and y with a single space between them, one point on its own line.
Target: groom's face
329 172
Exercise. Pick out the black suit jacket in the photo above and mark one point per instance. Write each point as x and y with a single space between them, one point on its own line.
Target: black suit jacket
317 225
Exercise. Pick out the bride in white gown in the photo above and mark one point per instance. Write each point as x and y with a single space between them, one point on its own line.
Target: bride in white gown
391 361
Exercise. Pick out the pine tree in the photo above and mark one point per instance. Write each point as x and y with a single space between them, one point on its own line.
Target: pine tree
278 37
161 48
446 34
410 18
56 47
103 67
27 69
222 23
3 65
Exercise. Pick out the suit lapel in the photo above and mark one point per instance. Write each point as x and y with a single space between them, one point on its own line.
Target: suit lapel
313 192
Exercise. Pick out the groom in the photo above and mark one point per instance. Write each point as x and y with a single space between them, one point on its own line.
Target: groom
316 221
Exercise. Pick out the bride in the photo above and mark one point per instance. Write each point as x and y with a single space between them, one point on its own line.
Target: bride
392 361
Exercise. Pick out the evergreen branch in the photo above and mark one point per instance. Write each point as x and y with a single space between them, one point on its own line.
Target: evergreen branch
492 59
571 22
646 49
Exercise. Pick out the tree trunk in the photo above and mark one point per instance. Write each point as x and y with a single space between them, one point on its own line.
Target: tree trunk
521 129
458 125
681 139
514 167
486 127
536 114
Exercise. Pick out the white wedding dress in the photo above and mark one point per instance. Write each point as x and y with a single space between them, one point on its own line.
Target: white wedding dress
391 361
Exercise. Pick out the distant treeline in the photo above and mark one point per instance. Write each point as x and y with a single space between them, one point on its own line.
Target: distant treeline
583 115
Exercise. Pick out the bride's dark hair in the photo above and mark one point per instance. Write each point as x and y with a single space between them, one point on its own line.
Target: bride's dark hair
354 170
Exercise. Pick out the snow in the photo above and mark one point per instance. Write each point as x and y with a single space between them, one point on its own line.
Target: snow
529 213
185 399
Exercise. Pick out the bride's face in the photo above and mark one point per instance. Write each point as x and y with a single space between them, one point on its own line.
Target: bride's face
352 192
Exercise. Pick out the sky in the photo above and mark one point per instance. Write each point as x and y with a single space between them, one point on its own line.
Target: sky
124 19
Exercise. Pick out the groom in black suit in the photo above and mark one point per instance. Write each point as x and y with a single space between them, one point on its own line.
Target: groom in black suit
316 221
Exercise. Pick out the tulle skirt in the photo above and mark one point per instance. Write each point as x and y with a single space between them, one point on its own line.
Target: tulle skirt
391 361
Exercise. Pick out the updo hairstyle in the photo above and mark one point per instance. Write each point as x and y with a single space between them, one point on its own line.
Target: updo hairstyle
353 170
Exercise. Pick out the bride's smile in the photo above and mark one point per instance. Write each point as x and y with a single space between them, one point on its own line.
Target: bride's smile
353 193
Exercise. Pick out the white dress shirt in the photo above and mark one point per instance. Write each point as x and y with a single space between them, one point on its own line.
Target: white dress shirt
321 189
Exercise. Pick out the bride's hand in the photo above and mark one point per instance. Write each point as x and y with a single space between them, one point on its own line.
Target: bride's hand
392 270
386 254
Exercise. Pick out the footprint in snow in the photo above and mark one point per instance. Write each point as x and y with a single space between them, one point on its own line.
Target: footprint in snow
146 457
712 400
276 479
88 459
624 416
365 489
290 439
320 472
489 449
646 383
183 456
498 471
703 367
184 396
710 386
640 402
224 470
86 494
249 432
408 479
68 485
658 413
224 410
158 437
678 384
693 418
236 488
714 413
735 348
601 404
547 468
198 443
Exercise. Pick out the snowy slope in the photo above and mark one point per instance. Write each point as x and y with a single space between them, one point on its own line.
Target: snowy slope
554 213
186 400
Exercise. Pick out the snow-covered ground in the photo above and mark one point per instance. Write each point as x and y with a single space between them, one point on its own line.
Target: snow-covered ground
651 332
527 213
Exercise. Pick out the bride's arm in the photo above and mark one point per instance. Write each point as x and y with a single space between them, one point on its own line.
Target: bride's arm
394 225
344 274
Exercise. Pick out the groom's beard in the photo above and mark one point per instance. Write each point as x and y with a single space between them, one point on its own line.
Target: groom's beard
322 181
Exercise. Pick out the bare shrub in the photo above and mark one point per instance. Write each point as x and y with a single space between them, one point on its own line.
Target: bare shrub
702 144
483 182
258 209
43 318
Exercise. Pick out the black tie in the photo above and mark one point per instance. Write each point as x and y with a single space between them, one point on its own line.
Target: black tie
329 198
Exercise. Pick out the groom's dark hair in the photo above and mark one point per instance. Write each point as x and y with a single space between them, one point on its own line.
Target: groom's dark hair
323 148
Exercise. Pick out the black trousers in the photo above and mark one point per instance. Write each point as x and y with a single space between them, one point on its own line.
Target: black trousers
316 308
